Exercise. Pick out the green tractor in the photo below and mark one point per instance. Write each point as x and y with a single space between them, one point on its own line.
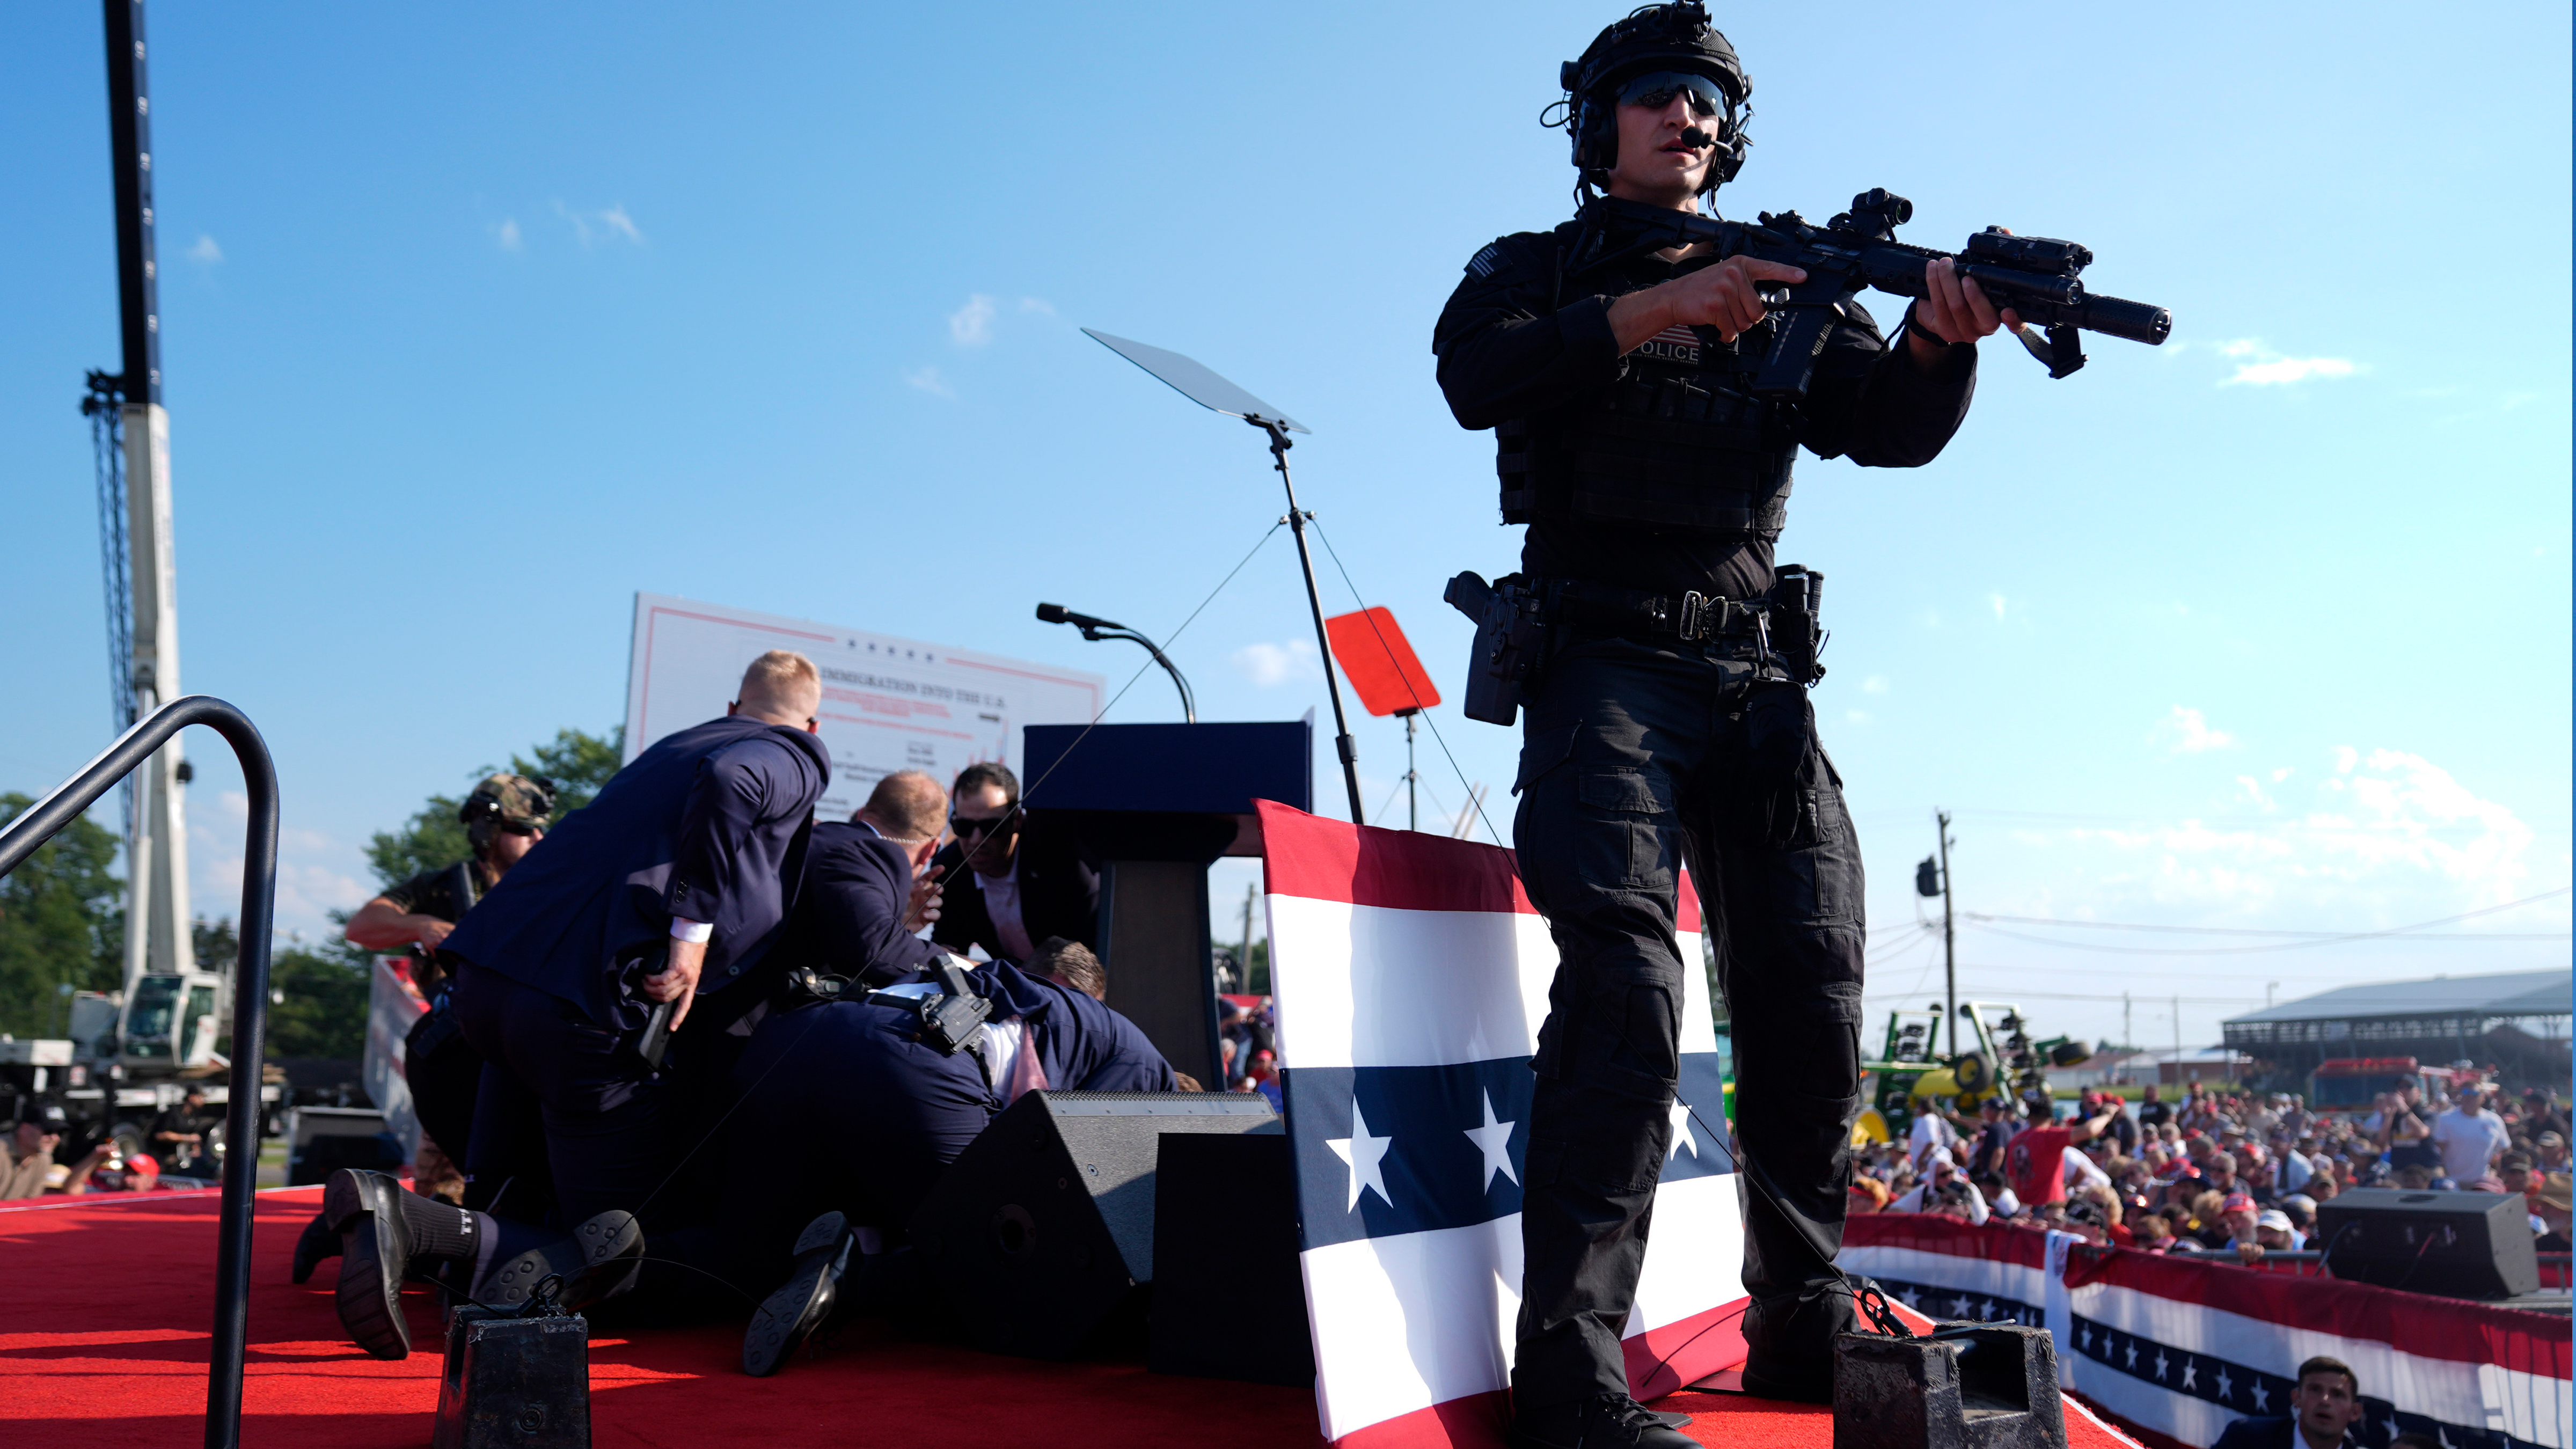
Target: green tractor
1912 1074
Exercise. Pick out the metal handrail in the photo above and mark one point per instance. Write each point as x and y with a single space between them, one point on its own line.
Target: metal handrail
39 823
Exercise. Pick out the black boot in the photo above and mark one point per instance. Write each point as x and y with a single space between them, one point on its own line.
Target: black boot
386 1235
597 1260
793 1312
1790 1343
321 1237
1611 1421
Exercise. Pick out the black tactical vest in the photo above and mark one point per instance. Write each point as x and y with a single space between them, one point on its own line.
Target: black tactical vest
1676 444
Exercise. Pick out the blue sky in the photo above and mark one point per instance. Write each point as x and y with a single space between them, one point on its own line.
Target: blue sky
481 318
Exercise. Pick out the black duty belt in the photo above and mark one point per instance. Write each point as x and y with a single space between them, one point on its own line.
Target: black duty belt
1691 616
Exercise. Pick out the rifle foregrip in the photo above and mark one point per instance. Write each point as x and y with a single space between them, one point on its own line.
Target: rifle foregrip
2118 317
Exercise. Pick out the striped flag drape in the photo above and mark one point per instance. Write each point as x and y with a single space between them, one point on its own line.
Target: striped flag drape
1411 975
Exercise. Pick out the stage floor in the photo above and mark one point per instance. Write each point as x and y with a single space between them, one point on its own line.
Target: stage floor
105 1307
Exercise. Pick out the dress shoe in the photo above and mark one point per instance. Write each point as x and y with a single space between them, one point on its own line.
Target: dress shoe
319 1241
375 1256
1610 1421
792 1313
596 1260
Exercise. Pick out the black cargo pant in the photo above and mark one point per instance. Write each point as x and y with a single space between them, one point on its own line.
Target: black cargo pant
1638 758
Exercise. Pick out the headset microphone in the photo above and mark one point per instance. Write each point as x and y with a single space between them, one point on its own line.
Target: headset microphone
1697 137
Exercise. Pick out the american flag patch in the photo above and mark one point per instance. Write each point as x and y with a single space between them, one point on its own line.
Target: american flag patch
1674 344
1483 262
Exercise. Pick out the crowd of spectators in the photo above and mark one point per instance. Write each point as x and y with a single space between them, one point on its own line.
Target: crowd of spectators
2219 1172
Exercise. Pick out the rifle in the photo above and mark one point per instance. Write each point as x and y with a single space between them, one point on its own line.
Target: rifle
2035 276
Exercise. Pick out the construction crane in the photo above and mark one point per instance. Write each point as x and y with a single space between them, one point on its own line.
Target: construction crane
169 1007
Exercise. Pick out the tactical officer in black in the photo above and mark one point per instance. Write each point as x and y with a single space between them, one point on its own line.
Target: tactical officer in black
1668 720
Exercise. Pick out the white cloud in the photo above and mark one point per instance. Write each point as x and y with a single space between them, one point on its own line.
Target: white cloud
1875 684
205 250
2385 829
1037 304
2253 789
2260 366
1269 664
610 224
929 381
1998 603
2190 733
1856 716
506 235
972 324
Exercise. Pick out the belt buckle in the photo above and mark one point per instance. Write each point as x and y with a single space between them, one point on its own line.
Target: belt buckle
1694 616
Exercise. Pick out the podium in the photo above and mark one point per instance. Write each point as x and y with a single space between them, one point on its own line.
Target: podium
1153 806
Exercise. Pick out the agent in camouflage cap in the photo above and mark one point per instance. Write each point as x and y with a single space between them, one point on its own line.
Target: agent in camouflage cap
515 804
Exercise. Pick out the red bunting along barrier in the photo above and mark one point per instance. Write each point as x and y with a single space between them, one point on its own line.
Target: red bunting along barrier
2175 1348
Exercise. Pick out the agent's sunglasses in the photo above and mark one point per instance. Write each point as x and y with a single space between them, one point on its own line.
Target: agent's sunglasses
1657 90
964 827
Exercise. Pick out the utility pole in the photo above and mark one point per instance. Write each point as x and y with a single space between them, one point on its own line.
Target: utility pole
1251 897
2177 1018
2128 1034
156 855
1949 940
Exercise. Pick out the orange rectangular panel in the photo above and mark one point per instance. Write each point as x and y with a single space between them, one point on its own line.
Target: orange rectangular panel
1379 662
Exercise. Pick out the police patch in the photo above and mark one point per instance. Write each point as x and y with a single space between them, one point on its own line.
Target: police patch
1673 344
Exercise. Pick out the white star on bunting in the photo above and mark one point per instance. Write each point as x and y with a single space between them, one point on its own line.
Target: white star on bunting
2133 1353
1494 1140
2160 1365
2226 1386
1681 1115
2191 1376
1363 1154
2262 1398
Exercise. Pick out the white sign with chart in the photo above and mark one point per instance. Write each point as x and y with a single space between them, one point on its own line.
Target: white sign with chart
888 703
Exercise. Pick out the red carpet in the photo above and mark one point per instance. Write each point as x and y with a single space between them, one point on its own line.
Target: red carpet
105 1306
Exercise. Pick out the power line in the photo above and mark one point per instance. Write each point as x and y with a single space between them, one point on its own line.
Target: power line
2312 935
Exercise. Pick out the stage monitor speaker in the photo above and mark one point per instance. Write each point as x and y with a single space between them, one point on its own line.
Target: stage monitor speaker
1043 1228
1228 1301
2456 1244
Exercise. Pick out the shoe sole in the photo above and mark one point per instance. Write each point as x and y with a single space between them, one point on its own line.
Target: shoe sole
597 1243
792 1313
318 1241
373 1253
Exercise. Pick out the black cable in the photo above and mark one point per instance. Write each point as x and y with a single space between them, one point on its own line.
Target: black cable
1419 707
1019 806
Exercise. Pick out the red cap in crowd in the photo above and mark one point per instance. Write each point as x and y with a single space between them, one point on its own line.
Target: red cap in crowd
2237 1202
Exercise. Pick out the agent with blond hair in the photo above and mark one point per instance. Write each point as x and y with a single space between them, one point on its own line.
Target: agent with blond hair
669 889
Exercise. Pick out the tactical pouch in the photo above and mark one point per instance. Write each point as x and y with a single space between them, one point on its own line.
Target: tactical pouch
1510 642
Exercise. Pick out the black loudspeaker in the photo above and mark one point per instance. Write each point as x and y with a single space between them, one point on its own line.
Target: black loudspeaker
1042 1230
2456 1244
1228 1300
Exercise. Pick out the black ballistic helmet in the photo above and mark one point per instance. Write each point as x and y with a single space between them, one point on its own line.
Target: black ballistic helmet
1671 37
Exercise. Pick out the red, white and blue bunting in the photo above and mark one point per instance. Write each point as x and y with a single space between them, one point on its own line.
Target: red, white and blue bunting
2176 1349
1411 975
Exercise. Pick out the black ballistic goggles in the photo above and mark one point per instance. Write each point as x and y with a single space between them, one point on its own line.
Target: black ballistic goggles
1656 91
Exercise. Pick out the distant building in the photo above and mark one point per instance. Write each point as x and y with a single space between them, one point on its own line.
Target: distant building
2118 1068
2516 1021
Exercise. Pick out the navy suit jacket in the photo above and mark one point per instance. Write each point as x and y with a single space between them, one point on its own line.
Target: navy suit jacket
1059 894
710 824
849 911
2275 1433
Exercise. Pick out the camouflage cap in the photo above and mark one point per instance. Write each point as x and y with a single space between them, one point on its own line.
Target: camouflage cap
517 803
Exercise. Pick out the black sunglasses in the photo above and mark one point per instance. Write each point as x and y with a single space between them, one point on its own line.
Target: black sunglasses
1657 90
964 827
